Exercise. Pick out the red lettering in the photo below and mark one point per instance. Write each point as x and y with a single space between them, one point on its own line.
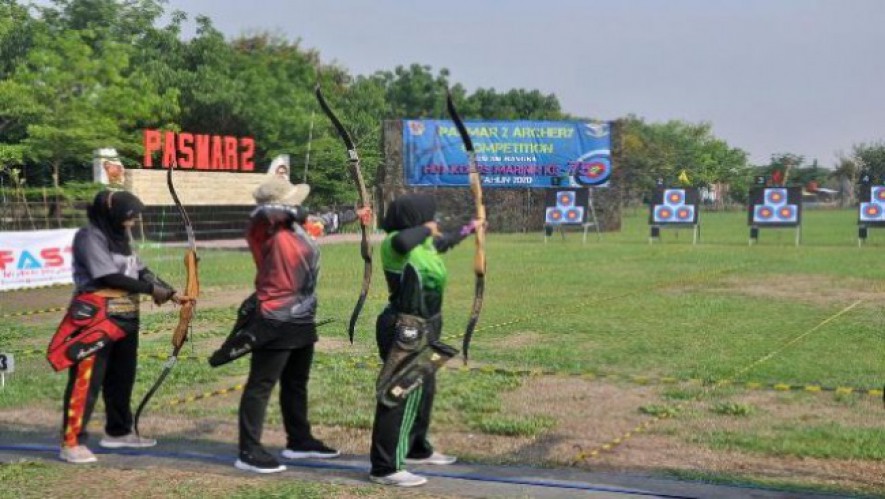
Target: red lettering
186 150
5 257
248 145
168 149
202 159
151 145
217 161
230 153
52 257
200 151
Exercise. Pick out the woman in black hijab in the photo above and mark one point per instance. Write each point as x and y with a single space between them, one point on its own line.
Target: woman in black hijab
98 338
416 279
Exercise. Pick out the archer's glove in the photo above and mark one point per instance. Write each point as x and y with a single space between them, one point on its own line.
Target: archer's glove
161 294
469 228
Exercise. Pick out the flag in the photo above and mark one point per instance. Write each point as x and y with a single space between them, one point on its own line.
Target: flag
683 177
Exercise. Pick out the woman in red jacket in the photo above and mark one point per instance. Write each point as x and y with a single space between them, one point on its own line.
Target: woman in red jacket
287 263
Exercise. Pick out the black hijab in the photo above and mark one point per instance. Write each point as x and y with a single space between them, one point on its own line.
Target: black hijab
407 211
108 212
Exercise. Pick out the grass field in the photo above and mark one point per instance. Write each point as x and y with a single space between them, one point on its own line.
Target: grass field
578 344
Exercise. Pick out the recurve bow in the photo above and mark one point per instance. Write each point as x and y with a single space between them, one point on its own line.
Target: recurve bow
191 293
479 258
357 174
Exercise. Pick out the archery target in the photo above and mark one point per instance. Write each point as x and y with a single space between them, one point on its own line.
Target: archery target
872 206
566 206
674 197
554 216
663 214
674 206
775 206
763 213
775 197
786 213
872 212
685 213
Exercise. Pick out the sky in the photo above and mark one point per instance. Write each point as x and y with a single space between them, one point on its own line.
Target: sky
772 76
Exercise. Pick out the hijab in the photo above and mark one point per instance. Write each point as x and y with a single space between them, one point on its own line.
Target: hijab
108 211
407 211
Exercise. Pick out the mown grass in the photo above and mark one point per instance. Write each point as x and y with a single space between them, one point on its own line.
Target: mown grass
39 479
620 305
825 441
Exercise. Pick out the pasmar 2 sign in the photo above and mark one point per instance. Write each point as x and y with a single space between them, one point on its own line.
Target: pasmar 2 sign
516 154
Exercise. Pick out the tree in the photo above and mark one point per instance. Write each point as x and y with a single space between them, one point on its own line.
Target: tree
653 151
847 173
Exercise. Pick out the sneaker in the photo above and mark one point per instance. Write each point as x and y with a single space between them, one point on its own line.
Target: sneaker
435 458
399 479
79 454
315 450
130 440
258 462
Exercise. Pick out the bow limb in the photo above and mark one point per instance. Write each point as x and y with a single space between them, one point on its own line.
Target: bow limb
189 300
479 258
357 174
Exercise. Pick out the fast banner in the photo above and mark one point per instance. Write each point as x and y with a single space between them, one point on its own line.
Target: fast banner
35 258
508 153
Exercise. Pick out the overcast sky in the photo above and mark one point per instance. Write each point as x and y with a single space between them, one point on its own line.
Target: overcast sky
800 76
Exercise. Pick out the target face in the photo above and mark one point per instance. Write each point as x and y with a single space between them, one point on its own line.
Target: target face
776 196
685 214
872 212
566 199
663 214
786 213
878 194
573 215
764 213
674 197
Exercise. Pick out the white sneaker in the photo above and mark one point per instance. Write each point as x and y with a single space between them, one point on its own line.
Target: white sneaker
309 454
435 458
255 468
79 454
129 440
399 479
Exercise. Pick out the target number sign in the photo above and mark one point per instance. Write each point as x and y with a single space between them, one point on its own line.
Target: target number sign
7 363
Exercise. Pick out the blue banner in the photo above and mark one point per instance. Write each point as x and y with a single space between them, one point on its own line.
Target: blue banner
508 153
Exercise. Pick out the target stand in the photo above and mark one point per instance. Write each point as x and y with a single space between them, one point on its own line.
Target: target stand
774 208
674 208
566 207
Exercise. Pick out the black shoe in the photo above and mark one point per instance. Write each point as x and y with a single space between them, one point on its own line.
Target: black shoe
258 462
315 449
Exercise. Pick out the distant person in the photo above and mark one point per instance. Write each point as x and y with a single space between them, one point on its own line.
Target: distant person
108 277
416 280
